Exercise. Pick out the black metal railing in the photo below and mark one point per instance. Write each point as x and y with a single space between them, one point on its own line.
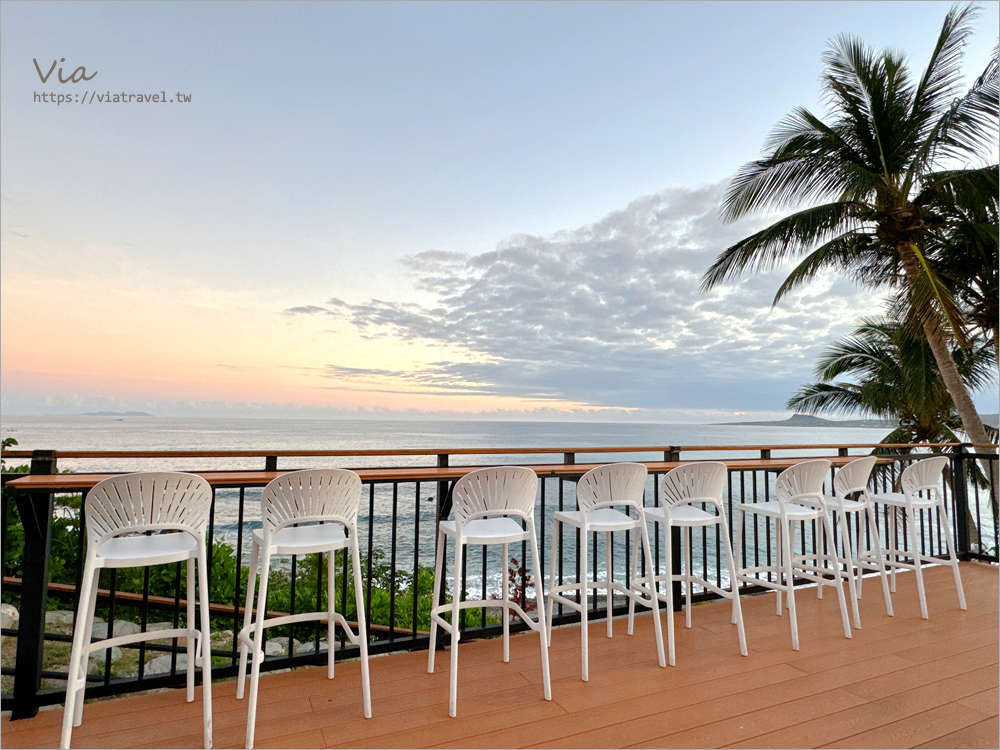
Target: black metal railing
397 528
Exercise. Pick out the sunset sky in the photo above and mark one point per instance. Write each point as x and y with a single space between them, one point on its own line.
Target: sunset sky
401 209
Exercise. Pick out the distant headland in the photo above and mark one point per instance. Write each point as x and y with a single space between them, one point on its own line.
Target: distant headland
805 420
116 414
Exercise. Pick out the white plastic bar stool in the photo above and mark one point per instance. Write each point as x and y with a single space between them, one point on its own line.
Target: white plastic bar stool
852 479
920 483
141 519
304 512
598 490
681 490
803 481
486 503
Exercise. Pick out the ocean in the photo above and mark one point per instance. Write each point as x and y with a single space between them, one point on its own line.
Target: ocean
161 433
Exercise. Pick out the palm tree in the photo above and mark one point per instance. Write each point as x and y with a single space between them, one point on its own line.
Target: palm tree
893 376
969 262
874 181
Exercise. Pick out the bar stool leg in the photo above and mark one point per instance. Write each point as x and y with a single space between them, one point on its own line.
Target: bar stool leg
505 583
873 534
543 638
688 578
657 627
553 566
248 616
609 575
668 546
91 612
456 634
331 609
77 662
258 644
738 551
734 582
189 565
945 521
780 562
633 572
911 525
786 555
832 556
359 603
436 598
852 586
206 644
584 590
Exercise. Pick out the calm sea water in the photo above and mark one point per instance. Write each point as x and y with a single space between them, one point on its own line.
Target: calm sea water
138 433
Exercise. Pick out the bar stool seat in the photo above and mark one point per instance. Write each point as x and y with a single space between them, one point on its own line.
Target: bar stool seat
599 519
303 540
687 515
487 531
157 549
849 505
898 499
773 508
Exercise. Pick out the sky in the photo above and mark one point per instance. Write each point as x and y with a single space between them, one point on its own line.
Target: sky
450 210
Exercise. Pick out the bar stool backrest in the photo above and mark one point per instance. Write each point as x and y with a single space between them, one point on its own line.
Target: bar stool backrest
804 479
612 484
495 491
147 501
700 482
923 475
311 495
853 477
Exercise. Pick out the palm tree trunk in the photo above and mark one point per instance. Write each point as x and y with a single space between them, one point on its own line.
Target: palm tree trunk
971 421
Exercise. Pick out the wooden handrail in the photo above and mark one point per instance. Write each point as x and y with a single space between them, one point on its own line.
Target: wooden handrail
309 452
77 482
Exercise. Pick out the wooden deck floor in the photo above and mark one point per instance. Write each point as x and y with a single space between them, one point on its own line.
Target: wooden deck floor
900 682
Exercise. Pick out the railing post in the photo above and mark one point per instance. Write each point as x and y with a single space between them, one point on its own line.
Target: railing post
36 510
672 453
443 499
961 502
270 463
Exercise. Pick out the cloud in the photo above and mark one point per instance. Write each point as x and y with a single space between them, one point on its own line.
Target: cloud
610 314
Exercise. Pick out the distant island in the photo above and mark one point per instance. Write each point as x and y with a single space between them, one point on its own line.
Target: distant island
116 414
805 420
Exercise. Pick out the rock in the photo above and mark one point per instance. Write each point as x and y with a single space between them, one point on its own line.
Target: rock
59 617
221 637
9 616
274 647
161 664
98 659
122 627
308 648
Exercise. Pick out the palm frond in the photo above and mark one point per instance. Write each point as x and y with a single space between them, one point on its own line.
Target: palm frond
767 248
